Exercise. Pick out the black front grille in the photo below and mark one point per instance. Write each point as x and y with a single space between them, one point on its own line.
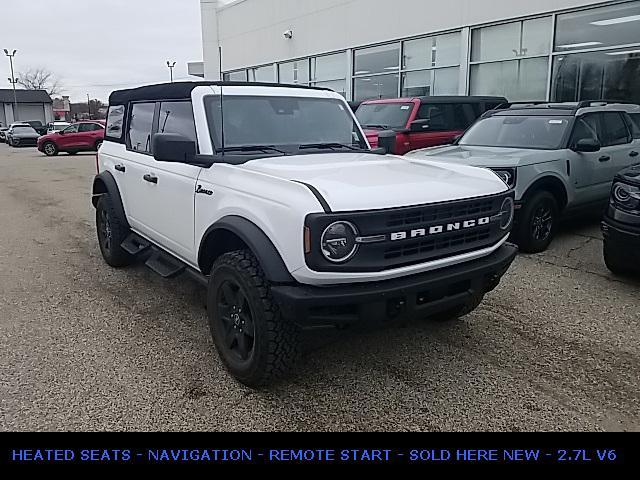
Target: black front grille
413 235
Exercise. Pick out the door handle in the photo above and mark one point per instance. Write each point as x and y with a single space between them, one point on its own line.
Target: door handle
634 154
605 158
120 168
150 179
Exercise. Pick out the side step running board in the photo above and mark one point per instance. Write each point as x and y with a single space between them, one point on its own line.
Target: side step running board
135 245
165 265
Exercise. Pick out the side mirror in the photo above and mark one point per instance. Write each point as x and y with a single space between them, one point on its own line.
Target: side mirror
171 147
387 141
62 132
587 145
419 125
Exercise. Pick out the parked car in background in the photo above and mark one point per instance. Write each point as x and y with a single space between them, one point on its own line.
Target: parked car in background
53 127
621 225
422 122
3 134
22 135
560 158
79 137
37 126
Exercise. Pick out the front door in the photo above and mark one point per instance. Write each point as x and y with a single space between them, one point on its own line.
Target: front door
69 137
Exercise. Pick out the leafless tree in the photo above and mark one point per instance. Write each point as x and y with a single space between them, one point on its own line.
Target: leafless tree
40 79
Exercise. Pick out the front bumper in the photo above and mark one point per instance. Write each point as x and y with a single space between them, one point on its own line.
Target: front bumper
624 239
417 295
25 142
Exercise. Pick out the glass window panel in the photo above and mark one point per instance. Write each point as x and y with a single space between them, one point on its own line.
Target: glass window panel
536 36
416 84
239 76
383 86
177 117
417 54
446 81
496 42
611 75
140 126
329 67
338 86
616 128
262 74
447 49
380 59
294 72
598 27
115 121
518 80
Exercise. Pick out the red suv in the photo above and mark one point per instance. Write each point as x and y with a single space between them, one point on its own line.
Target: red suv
79 137
422 122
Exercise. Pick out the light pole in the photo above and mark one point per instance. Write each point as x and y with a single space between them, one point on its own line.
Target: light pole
13 80
171 65
89 106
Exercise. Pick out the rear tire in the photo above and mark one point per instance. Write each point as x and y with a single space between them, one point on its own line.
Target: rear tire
112 230
615 262
537 222
255 343
50 149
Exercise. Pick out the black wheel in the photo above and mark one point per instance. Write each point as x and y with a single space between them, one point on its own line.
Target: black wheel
98 145
537 223
112 231
72 152
615 261
50 149
254 342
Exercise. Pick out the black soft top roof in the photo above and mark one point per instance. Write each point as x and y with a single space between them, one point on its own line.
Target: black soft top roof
461 99
182 90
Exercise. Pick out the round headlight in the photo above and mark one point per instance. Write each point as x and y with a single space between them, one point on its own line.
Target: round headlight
507 211
338 242
626 196
505 176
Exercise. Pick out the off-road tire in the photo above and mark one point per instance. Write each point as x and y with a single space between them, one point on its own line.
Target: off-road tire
524 233
615 262
275 345
458 311
50 149
112 251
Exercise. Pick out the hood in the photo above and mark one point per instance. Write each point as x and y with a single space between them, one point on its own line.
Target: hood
483 156
364 181
630 175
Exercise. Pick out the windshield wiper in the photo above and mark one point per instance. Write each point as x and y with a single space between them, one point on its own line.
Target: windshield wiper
256 148
330 146
381 127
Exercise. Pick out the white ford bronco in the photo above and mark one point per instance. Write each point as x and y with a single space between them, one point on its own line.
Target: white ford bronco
559 157
270 196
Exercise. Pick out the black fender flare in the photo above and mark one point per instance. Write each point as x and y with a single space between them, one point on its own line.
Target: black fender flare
104 183
258 242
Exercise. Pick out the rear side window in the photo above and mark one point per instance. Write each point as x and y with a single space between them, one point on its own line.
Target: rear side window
89 127
140 127
440 116
115 123
177 117
616 129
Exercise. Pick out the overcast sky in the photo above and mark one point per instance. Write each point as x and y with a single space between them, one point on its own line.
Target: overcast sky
96 46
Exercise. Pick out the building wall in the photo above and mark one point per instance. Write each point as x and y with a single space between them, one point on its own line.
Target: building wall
251 31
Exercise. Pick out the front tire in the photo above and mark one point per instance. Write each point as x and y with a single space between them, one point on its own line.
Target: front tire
112 230
537 223
615 262
255 343
50 149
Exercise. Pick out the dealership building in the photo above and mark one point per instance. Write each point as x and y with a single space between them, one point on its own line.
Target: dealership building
560 50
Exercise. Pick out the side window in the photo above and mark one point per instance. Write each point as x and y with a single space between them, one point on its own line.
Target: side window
635 123
177 117
587 127
140 127
463 116
71 129
616 129
85 127
115 122
437 115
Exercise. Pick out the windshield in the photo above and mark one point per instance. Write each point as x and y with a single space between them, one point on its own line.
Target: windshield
384 115
287 123
536 132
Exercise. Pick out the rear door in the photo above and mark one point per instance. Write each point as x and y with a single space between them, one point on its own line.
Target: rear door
620 145
88 133
161 194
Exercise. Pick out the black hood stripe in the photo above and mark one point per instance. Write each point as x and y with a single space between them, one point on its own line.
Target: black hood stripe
318 195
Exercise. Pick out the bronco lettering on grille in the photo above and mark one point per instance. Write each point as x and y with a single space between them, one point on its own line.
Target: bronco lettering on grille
438 229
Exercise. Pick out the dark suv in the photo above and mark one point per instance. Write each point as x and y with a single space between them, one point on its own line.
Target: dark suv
621 225
422 122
